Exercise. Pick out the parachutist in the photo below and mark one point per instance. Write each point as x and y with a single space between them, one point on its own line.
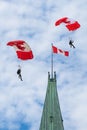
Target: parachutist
19 73
71 43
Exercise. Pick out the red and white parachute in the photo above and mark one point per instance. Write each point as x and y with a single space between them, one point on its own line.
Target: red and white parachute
22 49
71 25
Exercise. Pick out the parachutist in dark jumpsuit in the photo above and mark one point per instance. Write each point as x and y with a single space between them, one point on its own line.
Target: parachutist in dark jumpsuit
19 73
71 43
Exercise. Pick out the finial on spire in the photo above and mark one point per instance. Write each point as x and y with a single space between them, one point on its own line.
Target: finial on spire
48 75
55 75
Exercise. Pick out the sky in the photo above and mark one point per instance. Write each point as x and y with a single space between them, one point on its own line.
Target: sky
21 102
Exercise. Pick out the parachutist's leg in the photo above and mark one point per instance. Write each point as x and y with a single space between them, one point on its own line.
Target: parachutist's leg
73 46
20 77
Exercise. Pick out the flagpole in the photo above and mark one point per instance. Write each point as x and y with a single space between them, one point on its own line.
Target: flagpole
51 61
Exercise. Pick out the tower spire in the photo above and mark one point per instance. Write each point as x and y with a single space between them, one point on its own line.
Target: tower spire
51 116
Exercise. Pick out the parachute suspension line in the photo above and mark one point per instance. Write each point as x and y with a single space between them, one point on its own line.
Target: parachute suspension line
51 61
19 62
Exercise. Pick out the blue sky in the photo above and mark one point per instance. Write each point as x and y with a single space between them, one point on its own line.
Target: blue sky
21 103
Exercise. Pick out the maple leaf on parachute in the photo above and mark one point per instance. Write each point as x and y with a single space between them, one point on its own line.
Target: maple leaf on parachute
70 24
22 49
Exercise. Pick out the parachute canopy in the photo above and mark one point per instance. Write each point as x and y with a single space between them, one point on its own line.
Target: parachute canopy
22 49
71 25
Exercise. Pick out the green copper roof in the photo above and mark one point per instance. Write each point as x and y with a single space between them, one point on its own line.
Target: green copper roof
51 116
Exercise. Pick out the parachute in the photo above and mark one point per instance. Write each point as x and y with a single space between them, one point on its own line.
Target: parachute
22 49
71 25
